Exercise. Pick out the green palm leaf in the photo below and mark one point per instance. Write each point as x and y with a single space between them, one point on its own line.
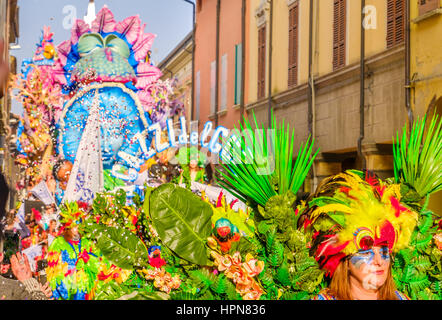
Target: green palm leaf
418 157
261 163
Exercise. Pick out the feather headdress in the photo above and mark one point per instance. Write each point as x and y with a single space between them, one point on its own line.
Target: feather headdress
73 214
350 213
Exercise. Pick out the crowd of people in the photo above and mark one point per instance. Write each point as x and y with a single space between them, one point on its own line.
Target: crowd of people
18 281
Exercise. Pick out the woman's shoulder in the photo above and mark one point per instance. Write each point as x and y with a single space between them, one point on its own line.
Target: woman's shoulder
324 295
402 296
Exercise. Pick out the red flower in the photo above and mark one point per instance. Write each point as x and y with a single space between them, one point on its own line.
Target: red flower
82 205
134 220
102 276
157 262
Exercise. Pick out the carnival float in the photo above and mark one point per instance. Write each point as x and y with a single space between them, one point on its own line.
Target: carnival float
94 107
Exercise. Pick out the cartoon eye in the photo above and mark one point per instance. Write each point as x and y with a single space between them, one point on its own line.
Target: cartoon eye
117 45
90 42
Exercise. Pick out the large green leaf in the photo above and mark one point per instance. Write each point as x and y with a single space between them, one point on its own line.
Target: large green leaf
183 222
121 247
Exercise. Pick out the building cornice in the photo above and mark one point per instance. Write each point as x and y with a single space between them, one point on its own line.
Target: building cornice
186 43
334 80
260 13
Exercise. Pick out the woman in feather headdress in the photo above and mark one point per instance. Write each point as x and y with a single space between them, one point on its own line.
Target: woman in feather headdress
73 261
357 224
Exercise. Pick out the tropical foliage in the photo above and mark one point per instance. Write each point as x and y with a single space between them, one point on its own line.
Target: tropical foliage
261 165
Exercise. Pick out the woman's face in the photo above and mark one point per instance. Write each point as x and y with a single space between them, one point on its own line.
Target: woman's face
73 234
370 267
193 164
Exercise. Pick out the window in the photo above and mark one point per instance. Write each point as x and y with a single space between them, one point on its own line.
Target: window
395 22
261 61
238 73
223 105
427 6
339 33
293 45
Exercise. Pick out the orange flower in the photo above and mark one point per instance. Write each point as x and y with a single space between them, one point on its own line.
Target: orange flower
162 279
241 273
438 240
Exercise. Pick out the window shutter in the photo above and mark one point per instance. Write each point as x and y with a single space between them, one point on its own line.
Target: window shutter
339 33
223 105
293 45
198 94
261 61
395 22
212 86
238 73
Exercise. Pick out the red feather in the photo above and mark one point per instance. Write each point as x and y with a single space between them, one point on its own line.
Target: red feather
397 206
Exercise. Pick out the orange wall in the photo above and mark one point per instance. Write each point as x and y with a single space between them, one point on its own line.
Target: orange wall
205 53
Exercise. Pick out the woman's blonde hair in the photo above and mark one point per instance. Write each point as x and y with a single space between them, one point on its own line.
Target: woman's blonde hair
340 284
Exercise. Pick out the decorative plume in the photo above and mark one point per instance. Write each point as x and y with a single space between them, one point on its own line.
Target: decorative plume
80 27
418 157
105 22
129 28
245 177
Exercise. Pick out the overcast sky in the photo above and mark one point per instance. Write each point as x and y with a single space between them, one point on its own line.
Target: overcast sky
170 20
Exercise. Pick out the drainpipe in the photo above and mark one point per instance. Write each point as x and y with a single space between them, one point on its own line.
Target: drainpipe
362 90
312 82
310 59
218 14
407 66
243 59
270 63
192 109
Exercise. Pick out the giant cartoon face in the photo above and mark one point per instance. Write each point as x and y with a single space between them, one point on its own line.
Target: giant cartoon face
103 59
109 57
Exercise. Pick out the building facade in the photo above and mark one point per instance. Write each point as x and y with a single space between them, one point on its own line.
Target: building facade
348 73
426 65
178 65
9 32
218 61
310 75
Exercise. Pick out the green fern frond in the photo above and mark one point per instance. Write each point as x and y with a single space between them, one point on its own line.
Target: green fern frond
419 282
182 296
219 286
